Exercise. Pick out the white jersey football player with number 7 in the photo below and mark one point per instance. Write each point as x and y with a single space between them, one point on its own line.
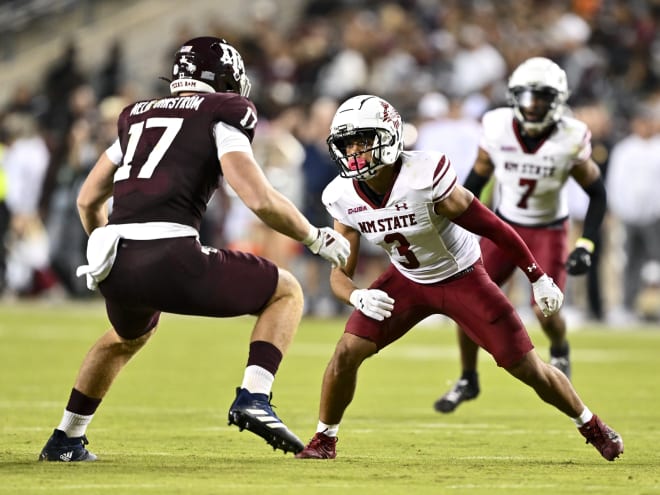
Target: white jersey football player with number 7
532 149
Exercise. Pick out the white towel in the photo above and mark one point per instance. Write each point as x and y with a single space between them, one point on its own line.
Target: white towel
101 252
103 242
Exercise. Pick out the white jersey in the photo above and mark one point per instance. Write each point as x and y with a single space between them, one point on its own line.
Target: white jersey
530 186
422 245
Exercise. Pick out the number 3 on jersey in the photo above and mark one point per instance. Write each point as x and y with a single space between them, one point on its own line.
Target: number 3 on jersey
172 127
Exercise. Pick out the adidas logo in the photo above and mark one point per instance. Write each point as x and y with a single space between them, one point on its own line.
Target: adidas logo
67 456
264 417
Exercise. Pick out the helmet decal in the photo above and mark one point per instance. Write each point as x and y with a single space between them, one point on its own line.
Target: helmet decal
390 114
232 58
186 64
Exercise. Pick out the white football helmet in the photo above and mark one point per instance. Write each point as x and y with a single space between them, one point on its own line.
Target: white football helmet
538 91
370 118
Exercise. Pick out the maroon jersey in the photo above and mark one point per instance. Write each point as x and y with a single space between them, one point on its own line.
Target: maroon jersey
170 167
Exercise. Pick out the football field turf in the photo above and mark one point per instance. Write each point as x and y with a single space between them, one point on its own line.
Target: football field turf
162 429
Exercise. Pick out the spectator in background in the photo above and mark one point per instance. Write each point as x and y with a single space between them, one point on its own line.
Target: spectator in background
110 76
477 63
348 71
67 96
447 128
598 118
280 154
61 79
634 200
568 44
4 214
26 160
318 170
93 131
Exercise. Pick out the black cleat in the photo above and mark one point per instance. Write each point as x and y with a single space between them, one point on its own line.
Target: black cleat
463 390
560 359
61 448
253 412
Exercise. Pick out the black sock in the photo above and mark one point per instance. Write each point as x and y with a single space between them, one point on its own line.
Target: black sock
560 351
471 376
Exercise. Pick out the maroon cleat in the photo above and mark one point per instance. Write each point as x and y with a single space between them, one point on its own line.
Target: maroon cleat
607 441
319 447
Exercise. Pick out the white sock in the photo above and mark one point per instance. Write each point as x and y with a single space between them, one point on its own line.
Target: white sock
74 425
327 430
583 418
257 380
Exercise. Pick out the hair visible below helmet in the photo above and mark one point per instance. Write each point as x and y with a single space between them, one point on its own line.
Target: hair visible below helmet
373 119
540 78
209 65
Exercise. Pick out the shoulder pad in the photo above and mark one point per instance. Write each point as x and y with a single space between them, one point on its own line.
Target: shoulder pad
573 125
333 191
234 110
418 168
497 116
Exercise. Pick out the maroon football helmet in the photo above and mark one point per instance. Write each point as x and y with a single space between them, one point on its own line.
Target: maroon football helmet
209 65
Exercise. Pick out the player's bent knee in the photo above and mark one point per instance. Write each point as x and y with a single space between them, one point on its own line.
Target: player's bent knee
528 369
351 351
288 285
131 346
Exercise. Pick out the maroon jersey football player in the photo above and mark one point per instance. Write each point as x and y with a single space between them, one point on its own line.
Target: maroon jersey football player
146 258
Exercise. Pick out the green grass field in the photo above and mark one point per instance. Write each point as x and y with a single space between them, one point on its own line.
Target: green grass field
162 429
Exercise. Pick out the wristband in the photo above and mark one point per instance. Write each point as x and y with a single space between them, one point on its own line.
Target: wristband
533 272
311 236
585 243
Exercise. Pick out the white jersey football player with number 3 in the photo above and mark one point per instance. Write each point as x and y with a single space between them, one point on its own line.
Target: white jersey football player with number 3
410 204
532 149
424 246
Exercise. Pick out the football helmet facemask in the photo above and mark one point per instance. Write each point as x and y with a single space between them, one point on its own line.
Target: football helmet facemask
209 65
373 125
538 91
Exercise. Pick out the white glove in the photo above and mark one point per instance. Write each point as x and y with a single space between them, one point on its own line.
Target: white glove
373 303
547 295
329 244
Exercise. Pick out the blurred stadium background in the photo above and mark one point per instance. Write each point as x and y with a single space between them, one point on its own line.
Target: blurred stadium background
67 67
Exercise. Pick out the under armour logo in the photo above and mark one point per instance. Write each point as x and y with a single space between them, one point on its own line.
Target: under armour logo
401 206
532 267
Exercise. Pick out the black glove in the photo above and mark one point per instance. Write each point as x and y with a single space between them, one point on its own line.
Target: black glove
579 261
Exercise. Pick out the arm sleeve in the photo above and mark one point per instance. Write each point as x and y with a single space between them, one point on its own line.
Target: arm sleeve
596 209
228 138
475 183
114 152
481 221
